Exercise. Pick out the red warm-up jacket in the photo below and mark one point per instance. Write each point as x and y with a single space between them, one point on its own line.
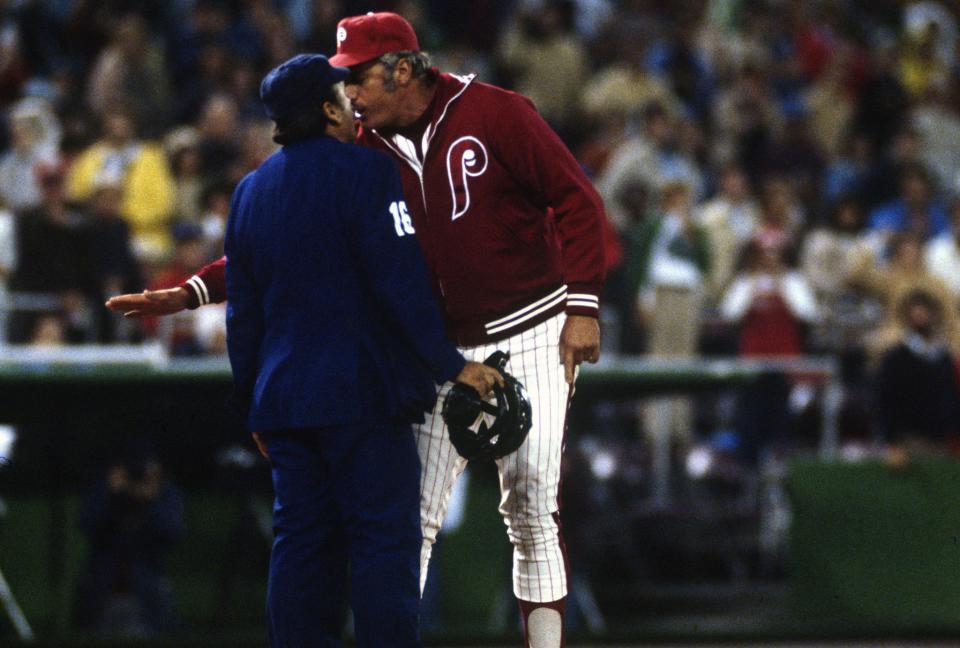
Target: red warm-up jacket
510 226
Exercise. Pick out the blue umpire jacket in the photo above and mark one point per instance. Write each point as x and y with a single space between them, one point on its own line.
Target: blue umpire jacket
330 315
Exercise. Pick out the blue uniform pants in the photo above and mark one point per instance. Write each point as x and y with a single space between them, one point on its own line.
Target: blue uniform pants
345 496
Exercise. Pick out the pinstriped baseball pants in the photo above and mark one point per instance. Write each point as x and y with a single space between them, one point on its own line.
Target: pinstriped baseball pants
529 478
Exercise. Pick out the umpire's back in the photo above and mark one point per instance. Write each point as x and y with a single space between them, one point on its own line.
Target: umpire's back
330 316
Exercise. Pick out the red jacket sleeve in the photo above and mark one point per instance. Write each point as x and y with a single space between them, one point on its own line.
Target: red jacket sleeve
539 160
209 285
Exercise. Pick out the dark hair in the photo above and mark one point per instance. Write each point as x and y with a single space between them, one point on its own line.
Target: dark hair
309 123
216 186
919 297
754 250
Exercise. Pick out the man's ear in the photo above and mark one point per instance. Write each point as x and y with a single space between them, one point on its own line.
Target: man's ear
333 112
403 72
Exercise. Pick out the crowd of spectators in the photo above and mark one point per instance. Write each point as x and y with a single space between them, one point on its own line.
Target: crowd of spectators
781 176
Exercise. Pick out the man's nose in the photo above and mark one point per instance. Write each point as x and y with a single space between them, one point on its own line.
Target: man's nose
350 89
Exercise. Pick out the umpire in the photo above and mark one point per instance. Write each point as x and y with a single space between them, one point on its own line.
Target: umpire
330 384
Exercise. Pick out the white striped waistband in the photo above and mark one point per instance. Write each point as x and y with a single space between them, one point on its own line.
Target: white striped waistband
528 312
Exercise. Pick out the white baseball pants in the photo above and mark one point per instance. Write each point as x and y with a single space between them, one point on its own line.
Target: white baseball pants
529 478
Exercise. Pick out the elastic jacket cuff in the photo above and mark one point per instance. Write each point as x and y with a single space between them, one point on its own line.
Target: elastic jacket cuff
197 294
583 299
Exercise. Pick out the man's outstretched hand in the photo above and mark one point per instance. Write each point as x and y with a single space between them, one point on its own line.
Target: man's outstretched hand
150 302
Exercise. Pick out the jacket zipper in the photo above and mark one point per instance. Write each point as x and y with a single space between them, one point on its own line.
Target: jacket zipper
432 130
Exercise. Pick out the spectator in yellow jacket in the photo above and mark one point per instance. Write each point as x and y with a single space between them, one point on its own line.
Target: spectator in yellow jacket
141 168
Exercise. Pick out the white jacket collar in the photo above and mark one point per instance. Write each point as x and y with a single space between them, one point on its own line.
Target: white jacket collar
406 148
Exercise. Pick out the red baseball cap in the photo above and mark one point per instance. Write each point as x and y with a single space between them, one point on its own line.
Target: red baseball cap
364 38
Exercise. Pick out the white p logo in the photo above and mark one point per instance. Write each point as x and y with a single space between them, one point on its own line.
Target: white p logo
466 158
341 35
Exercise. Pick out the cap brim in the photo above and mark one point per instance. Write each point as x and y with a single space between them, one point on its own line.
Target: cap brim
349 60
339 74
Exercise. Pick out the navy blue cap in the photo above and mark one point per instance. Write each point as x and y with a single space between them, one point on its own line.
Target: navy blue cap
297 84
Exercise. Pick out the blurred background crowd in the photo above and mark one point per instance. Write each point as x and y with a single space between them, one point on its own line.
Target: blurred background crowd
781 177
